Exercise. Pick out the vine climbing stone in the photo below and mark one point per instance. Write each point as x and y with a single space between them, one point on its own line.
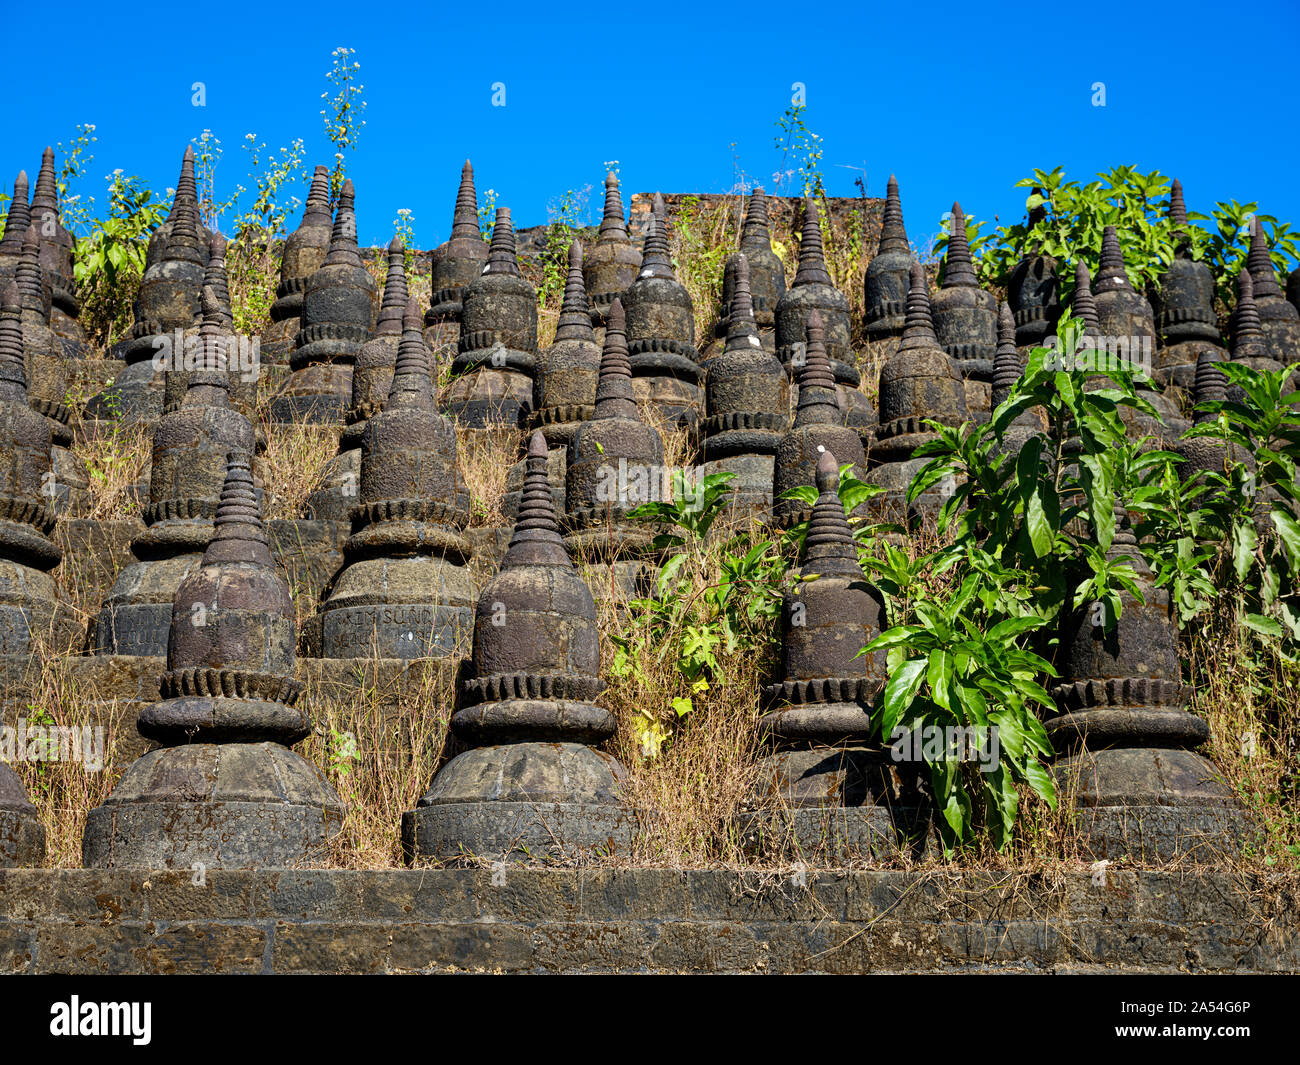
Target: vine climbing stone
532 784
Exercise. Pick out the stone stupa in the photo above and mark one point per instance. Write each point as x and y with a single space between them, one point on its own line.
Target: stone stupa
532 785
225 790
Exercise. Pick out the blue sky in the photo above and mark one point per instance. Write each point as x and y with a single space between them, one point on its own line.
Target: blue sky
958 100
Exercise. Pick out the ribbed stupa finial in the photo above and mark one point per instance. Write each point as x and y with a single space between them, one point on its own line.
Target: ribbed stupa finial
1006 361
1177 206
655 260
317 210
412 385
13 371
502 258
214 277
464 222
893 236
740 315
959 270
1111 274
755 230
393 309
575 311
536 538
812 258
1083 304
45 197
615 396
1260 264
818 403
1247 328
28 273
18 219
918 331
829 549
343 237
239 518
1211 382
612 221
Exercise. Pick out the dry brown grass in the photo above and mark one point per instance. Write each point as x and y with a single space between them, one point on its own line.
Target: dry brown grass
117 459
291 466
486 456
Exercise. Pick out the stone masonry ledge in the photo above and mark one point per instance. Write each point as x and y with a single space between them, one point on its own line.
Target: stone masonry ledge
537 920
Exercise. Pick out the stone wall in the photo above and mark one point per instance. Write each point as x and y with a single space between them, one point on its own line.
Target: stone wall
643 920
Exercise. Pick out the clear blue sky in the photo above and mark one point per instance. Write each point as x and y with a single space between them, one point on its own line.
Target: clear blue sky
958 101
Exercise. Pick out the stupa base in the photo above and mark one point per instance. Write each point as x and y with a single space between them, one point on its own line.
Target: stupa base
214 806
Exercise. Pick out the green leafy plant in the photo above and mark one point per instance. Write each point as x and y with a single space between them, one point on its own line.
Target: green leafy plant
712 599
342 112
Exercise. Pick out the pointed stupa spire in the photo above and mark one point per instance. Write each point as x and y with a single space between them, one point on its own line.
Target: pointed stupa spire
755 231
13 371
45 197
502 258
184 242
464 221
28 274
317 209
818 404
1211 382
211 371
393 309
1177 206
575 311
1247 328
1260 264
239 535
812 259
18 219
214 277
893 236
742 330
412 385
536 537
613 221
343 237
1083 305
615 397
1111 274
655 260
1006 362
919 330
187 190
829 548
958 270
